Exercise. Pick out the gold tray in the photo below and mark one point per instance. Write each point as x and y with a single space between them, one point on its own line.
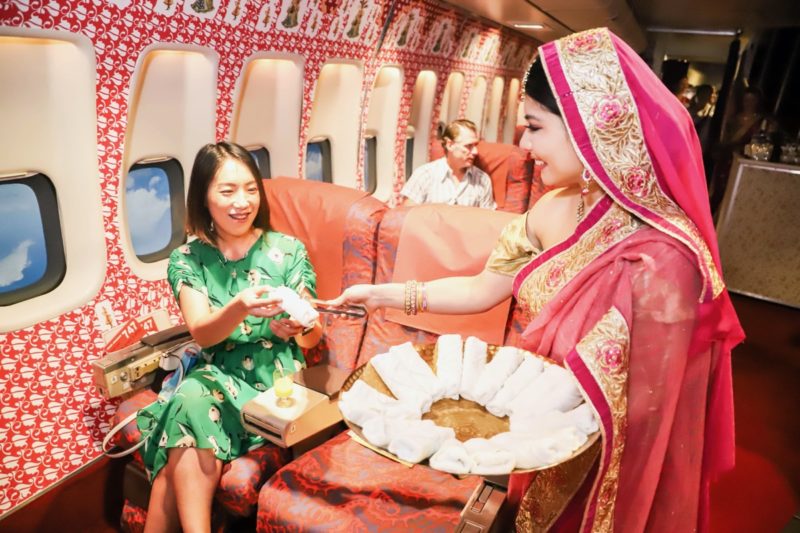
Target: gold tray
467 418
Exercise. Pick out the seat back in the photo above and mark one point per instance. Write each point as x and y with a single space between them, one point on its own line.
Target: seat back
339 227
508 167
411 238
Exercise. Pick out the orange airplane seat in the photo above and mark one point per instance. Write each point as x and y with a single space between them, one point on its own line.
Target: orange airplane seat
342 485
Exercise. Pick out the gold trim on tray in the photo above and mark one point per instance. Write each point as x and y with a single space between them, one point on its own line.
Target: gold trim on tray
467 418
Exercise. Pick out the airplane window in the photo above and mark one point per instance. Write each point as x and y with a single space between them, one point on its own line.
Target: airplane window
409 156
261 156
370 163
31 247
155 208
318 161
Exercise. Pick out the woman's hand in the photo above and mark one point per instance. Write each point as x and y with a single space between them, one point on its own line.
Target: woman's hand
252 302
286 328
358 295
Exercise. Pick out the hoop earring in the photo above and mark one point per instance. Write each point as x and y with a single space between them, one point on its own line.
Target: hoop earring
586 177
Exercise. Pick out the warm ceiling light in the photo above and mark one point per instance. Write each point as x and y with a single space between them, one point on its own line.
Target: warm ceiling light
527 26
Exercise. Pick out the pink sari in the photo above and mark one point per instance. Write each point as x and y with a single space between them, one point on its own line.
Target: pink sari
634 304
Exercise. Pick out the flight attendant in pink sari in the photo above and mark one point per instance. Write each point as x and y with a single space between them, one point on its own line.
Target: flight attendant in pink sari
619 269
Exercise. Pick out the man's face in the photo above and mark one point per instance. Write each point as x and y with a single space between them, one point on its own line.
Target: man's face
462 151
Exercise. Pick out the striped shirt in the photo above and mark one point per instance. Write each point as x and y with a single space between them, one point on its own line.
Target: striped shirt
434 183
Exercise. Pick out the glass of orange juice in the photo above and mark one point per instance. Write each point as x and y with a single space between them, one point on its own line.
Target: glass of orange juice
283 384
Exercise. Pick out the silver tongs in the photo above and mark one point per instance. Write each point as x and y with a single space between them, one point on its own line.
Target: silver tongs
346 310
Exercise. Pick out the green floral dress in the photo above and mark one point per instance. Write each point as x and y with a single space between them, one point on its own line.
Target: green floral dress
205 410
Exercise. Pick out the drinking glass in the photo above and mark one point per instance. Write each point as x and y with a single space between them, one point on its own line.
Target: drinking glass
283 385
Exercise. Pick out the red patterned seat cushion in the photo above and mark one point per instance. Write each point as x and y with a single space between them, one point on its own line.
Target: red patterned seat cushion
343 486
241 478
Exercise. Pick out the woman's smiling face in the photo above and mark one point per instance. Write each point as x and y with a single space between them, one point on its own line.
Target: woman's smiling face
548 141
233 200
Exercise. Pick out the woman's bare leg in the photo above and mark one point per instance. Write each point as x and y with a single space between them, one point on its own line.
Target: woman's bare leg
195 477
162 510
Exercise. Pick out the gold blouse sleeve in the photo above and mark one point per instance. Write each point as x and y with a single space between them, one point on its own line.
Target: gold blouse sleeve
513 249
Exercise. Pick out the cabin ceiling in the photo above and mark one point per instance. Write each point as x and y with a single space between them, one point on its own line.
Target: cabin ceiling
633 20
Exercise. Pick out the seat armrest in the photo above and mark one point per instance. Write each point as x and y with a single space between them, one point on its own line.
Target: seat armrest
487 510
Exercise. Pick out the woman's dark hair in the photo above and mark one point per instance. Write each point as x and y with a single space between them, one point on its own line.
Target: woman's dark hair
537 87
207 164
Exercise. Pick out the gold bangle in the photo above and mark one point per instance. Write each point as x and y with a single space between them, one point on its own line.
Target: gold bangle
423 304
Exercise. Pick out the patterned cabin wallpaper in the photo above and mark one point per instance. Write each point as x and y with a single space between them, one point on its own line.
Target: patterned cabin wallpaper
52 420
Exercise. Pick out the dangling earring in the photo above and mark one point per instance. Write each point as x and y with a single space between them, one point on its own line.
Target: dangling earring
587 179
211 227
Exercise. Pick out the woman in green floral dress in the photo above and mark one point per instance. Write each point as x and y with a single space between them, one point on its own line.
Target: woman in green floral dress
221 281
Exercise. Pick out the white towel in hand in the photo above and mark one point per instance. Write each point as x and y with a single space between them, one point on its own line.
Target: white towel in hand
452 457
530 452
416 440
582 418
449 363
554 389
523 376
423 374
505 361
474 363
362 402
401 380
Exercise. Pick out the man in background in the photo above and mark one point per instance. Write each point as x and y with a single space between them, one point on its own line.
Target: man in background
454 179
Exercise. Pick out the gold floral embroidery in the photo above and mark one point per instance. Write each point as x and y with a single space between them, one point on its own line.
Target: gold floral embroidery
546 280
609 113
605 351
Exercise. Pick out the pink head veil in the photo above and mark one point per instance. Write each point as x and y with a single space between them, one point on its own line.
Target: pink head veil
639 143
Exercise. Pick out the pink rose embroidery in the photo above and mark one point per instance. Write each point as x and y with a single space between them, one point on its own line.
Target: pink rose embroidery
608 112
583 42
608 231
636 181
555 275
611 355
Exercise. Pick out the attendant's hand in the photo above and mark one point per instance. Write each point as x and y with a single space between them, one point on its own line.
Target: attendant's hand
254 304
357 295
286 328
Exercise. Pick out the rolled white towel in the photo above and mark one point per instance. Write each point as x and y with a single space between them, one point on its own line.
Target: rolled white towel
494 462
378 431
400 379
505 361
422 373
554 389
581 417
478 444
416 440
362 402
474 363
298 308
535 452
452 457
524 375
449 363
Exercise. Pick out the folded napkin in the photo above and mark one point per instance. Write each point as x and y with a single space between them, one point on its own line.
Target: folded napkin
554 389
452 457
423 375
535 452
524 375
362 402
493 462
474 363
416 440
402 380
505 361
582 418
449 363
